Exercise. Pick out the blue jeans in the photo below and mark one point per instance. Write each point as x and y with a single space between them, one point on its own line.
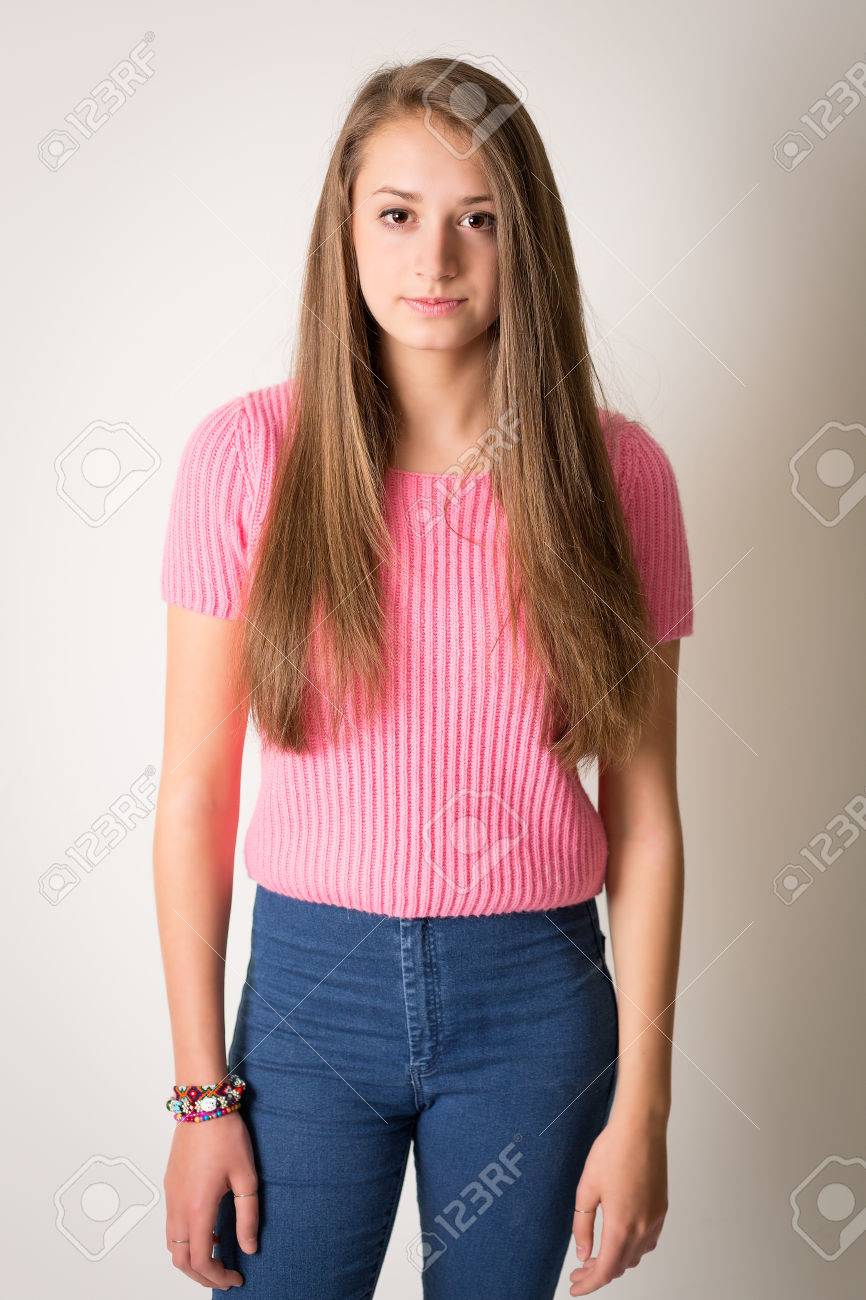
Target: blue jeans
489 1041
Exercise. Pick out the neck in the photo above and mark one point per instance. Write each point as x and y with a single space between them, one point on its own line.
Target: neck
440 398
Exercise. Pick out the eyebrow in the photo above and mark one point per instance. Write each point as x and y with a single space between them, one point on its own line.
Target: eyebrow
411 197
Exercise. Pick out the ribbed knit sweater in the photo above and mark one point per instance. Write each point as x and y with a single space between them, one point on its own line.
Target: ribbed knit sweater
444 802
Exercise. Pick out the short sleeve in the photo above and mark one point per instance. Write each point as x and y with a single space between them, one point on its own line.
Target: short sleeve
204 559
654 516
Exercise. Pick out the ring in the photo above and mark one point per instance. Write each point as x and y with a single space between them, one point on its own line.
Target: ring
577 1211
184 1241
239 1195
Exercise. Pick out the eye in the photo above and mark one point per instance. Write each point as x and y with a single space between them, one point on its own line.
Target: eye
390 224
404 213
473 215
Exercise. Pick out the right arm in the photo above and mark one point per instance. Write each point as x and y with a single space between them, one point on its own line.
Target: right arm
194 848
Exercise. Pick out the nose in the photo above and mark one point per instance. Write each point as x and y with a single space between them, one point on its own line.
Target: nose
435 253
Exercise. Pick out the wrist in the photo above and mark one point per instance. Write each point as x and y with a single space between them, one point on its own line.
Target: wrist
196 1072
652 1112
196 1103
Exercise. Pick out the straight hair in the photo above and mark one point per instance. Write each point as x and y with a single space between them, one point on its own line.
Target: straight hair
315 622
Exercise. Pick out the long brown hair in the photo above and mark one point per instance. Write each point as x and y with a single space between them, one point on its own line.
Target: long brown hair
314 611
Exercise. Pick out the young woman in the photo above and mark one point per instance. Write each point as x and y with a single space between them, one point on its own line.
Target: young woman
439 573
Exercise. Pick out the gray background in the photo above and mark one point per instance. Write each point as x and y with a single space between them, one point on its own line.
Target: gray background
154 273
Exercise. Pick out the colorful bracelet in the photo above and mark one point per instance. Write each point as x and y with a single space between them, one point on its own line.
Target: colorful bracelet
194 1102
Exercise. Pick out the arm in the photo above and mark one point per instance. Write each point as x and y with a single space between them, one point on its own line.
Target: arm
626 1171
195 832
638 801
645 885
194 846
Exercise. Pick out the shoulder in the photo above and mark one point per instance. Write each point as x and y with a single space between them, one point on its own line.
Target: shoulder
219 498
653 514
237 442
263 429
641 467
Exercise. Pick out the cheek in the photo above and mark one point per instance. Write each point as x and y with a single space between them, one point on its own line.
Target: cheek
379 266
487 276
380 280
486 262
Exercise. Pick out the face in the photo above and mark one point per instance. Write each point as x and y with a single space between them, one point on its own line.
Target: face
433 236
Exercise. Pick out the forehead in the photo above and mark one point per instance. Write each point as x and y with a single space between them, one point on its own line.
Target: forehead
409 155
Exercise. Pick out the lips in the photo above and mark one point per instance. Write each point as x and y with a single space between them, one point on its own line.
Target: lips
434 306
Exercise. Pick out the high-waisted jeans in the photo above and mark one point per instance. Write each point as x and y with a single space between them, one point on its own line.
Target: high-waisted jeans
488 1041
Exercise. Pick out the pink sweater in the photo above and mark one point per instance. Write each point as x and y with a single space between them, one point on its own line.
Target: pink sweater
446 803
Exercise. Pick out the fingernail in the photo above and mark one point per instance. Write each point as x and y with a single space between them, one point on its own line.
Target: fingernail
249 1247
581 1250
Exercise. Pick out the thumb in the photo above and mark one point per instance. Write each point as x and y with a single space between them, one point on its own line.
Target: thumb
246 1210
583 1224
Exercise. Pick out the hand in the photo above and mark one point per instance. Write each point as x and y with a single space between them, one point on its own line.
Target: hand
626 1173
206 1161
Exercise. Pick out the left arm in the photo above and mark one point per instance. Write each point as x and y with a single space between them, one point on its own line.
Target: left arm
645 886
626 1171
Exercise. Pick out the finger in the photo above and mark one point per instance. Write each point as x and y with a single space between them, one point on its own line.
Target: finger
640 1248
633 1256
212 1270
246 1213
180 1258
583 1225
175 1237
608 1264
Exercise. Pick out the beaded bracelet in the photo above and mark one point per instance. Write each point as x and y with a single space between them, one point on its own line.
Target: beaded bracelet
193 1103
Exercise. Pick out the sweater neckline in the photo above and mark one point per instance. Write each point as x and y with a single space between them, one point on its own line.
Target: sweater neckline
426 475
